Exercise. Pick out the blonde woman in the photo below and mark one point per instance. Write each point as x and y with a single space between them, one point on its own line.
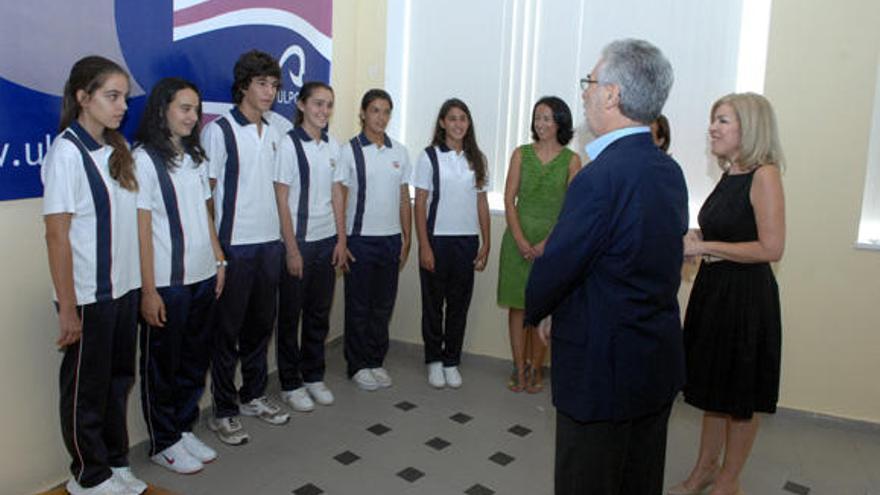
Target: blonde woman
732 328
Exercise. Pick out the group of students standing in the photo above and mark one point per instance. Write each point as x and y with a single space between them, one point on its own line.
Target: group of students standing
207 239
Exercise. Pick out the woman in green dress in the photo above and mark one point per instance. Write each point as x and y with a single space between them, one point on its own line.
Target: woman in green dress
537 178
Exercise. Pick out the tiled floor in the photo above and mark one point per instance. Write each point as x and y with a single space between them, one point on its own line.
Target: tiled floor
483 439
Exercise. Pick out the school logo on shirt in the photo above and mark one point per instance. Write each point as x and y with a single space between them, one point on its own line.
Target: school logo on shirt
395 164
199 40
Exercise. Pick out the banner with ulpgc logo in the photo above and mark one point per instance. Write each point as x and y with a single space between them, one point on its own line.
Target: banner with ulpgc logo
199 40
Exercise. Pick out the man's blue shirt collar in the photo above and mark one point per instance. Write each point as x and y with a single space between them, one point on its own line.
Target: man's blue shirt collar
595 147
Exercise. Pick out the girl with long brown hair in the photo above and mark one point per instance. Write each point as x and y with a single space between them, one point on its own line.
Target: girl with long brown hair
451 215
90 210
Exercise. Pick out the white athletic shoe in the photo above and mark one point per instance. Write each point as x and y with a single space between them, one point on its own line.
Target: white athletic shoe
110 486
176 458
298 399
265 409
435 375
320 392
365 380
125 477
382 377
229 430
195 446
452 376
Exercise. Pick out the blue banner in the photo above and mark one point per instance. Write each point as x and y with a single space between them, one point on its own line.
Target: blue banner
199 40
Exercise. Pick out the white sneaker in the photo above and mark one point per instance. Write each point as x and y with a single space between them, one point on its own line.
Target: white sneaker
382 377
176 458
125 477
197 448
452 376
365 380
320 393
435 375
298 399
110 486
265 409
229 430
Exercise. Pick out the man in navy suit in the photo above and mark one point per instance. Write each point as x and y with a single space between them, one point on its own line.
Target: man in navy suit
610 275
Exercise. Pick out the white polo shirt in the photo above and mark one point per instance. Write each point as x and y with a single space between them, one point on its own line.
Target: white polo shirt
244 197
374 208
175 197
457 207
310 177
103 229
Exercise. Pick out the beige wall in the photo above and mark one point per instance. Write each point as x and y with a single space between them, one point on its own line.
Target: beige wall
32 455
821 73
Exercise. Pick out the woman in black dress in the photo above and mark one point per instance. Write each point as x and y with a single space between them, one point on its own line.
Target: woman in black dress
732 328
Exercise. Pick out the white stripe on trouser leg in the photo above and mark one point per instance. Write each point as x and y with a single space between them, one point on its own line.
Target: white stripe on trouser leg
82 463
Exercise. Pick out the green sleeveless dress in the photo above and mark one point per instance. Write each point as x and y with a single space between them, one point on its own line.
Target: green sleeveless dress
541 192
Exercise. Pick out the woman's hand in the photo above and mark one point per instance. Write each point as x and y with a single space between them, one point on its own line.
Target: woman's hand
70 327
294 264
404 253
426 257
153 308
525 249
693 243
538 249
341 255
482 258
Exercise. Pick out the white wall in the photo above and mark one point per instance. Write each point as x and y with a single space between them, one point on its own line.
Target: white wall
500 56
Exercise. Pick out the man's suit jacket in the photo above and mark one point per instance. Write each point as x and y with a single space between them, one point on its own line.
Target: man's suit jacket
609 275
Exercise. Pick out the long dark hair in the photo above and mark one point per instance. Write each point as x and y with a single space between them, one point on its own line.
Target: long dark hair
153 130
474 156
89 74
305 93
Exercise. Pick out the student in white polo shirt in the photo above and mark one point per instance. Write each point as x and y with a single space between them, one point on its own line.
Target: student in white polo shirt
311 212
90 209
242 148
379 224
451 215
182 269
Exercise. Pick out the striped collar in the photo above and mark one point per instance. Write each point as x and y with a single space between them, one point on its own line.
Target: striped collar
84 136
241 119
305 137
362 138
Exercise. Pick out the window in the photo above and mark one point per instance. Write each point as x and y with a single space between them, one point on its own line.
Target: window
500 56
869 226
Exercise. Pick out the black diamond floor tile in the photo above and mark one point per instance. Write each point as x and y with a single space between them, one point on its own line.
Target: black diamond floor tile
405 406
461 418
437 443
308 489
479 489
501 458
793 487
347 458
378 429
410 474
519 430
